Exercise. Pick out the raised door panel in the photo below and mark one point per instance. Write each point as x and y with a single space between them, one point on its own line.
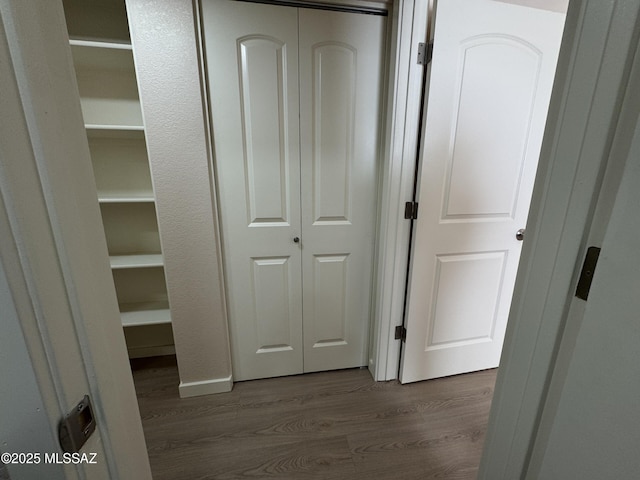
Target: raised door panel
340 88
490 131
465 311
265 128
476 278
252 67
334 77
272 318
329 301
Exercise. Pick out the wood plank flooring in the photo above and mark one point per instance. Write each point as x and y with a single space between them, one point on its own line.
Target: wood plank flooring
330 425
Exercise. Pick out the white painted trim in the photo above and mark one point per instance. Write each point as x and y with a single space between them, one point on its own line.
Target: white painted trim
206 387
410 19
590 82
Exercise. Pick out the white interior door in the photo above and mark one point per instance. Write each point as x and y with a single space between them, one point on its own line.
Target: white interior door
295 109
490 83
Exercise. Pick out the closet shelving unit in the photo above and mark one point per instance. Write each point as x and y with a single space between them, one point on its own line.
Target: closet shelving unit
105 71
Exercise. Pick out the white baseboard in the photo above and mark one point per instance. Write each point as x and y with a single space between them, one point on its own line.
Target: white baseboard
206 387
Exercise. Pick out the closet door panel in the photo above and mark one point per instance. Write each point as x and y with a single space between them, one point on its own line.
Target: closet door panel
252 68
334 75
340 83
265 124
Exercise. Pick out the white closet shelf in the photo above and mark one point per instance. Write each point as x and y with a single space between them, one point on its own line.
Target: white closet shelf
126 198
114 131
79 42
145 313
141 260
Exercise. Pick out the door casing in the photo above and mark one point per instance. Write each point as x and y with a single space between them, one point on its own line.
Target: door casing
334 170
400 120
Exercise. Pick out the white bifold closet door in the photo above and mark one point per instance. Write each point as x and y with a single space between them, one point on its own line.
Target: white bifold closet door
295 100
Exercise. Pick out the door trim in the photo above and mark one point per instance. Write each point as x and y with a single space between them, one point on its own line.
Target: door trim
401 107
599 44
409 26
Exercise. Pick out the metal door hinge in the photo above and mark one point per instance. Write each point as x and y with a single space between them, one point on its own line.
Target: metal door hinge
425 53
588 269
401 333
411 210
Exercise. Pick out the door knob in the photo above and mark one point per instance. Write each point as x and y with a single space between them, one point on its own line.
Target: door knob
520 234
296 239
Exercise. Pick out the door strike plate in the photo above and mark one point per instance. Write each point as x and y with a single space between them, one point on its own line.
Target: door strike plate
77 426
588 269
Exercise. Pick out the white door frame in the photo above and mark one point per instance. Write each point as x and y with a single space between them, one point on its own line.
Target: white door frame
592 77
407 27
53 250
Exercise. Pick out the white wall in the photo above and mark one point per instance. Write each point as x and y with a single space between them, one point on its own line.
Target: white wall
163 35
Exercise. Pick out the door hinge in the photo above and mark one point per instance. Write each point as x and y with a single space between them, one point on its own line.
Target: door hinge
411 210
401 333
588 269
425 53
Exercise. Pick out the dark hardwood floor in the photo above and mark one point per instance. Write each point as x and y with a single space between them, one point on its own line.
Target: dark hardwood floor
330 425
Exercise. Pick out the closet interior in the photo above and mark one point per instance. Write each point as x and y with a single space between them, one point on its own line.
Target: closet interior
114 121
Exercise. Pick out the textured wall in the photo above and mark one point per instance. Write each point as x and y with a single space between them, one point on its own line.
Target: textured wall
167 65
